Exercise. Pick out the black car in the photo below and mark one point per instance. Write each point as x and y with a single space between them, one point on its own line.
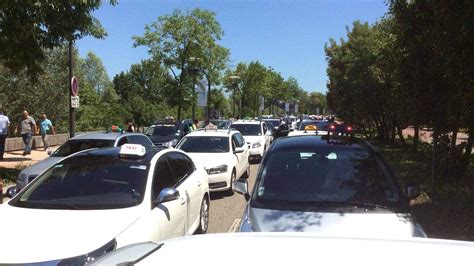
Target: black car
166 134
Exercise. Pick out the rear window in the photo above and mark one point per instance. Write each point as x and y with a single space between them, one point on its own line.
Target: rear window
163 130
204 144
335 175
73 146
248 129
324 126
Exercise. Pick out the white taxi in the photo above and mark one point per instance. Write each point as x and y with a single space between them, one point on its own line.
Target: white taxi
221 153
256 135
98 200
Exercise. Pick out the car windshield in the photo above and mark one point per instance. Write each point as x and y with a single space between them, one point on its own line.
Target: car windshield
272 123
76 145
74 184
163 130
204 144
321 125
326 175
248 129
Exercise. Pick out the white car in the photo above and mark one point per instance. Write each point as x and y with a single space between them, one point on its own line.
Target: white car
98 200
221 153
293 249
256 135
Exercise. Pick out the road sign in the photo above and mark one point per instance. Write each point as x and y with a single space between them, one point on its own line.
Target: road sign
296 108
287 107
74 86
262 103
75 101
202 93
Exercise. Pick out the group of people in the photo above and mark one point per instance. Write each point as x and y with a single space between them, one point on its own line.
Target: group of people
27 127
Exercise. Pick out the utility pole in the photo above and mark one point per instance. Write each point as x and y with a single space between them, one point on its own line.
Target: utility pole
72 117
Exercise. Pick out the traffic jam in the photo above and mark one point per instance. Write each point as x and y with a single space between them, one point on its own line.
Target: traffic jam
115 197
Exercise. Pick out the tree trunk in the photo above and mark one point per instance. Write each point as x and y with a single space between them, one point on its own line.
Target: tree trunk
208 97
400 135
416 137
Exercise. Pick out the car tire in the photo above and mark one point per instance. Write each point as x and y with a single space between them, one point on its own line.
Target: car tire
246 174
233 177
203 217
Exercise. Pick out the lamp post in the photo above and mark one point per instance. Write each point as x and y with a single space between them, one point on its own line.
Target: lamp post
234 80
195 70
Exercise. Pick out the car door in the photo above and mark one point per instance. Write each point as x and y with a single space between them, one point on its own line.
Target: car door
266 135
246 152
188 182
170 216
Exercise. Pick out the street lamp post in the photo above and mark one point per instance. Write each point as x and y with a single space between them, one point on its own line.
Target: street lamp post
195 71
234 80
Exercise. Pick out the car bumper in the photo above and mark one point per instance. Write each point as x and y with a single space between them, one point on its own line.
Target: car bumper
219 182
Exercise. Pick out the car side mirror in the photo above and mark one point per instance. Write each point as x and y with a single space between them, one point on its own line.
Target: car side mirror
241 187
12 191
239 150
166 195
412 191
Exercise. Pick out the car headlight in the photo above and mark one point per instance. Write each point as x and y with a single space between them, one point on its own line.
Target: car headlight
419 232
91 256
216 170
256 145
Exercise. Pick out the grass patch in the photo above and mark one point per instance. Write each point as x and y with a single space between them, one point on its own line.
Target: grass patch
451 216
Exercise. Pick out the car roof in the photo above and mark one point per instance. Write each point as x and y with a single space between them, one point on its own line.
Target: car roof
305 142
251 122
211 133
111 154
296 249
104 135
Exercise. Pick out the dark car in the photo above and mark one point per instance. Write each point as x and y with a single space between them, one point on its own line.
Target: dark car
166 134
335 185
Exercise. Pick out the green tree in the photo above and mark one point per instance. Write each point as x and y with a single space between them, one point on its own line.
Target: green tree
174 39
28 28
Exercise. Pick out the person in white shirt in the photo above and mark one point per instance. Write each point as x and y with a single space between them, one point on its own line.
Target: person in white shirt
4 124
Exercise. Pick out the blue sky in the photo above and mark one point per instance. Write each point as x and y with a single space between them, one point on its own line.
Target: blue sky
287 35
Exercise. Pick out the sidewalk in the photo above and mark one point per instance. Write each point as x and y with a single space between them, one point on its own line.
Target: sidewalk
14 159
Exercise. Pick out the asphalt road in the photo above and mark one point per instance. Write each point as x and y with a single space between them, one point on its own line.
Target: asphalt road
226 211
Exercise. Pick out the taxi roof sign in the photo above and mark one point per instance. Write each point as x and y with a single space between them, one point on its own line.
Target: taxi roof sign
132 150
310 128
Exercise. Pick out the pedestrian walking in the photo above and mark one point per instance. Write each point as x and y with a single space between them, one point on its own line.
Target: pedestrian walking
130 126
27 126
44 130
4 124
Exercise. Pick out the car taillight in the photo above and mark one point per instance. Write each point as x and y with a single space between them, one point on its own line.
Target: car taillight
349 128
332 127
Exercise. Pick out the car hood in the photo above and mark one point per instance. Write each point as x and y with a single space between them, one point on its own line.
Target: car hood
40 166
46 235
366 224
253 139
209 160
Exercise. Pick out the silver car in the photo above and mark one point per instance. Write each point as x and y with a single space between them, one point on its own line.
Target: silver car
331 185
79 143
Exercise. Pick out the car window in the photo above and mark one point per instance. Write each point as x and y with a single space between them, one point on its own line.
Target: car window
140 139
264 128
204 144
304 177
76 145
241 139
179 166
163 176
121 141
91 184
248 129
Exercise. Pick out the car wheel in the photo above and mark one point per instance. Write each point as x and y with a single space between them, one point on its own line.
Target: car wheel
233 177
203 217
247 172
